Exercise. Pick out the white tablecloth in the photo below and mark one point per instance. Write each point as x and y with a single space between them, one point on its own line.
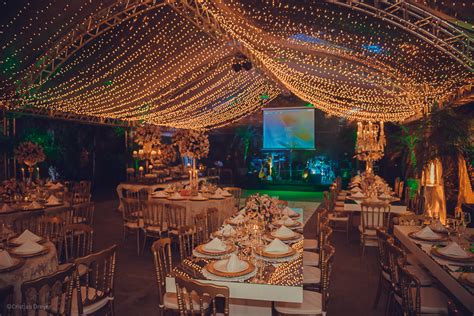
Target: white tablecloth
225 207
394 209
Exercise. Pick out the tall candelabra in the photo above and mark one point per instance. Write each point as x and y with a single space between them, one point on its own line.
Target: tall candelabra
370 143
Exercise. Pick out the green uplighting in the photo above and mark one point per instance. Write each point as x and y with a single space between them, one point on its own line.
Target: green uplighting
302 196
310 105
108 83
265 96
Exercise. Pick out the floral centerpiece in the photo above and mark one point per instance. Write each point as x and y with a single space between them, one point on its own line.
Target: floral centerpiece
148 134
29 153
167 154
191 143
10 188
261 206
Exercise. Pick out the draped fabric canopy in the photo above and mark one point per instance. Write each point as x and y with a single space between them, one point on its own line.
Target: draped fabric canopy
165 64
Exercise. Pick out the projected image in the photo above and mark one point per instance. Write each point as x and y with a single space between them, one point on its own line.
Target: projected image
288 129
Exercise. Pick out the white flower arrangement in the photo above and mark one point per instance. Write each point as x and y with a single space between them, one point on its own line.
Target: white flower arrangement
167 154
148 134
191 143
261 205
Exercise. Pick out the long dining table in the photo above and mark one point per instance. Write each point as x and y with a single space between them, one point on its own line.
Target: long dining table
445 271
273 282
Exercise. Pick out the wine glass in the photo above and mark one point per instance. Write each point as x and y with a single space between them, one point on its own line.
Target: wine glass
450 226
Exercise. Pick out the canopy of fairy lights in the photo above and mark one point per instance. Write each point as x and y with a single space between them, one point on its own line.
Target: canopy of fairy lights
171 63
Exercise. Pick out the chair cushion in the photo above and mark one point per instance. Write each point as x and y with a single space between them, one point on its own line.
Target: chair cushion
368 232
310 258
312 305
134 225
310 244
433 301
311 275
422 276
88 309
339 204
339 208
170 301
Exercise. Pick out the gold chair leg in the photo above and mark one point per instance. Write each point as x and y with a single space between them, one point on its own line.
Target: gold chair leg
138 241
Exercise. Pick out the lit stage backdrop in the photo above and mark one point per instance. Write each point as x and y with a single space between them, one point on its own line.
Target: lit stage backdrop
288 128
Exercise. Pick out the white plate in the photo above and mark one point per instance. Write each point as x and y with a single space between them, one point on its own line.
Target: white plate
221 266
13 251
273 235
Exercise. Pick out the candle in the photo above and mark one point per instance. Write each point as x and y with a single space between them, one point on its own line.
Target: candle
140 168
23 174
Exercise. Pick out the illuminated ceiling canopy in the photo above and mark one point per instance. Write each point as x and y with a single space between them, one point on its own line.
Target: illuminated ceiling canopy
170 62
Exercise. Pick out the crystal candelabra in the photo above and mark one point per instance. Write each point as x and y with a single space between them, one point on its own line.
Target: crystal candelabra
370 143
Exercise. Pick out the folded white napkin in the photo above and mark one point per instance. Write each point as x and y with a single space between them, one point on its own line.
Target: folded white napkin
288 211
227 230
238 219
427 233
283 231
373 199
215 245
6 208
29 247
384 196
234 264
217 195
242 212
276 246
160 194
33 205
226 193
358 195
52 200
454 250
356 189
176 195
5 260
219 191
27 236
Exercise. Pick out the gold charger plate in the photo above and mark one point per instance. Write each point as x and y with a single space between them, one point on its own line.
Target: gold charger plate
435 252
275 255
295 225
18 263
200 249
463 279
295 236
53 205
29 255
14 244
414 236
211 268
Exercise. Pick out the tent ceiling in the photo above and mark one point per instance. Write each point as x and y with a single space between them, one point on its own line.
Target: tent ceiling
171 65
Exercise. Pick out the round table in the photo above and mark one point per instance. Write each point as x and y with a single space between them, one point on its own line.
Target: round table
33 268
224 206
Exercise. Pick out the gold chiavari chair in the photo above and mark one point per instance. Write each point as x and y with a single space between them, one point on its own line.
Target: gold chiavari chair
212 220
7 297
161 250
200 224
154 224
28 221
418 300
52 229
196 298
237 193
52 294
132 222
383 240
95 289
187 241
83 213
339 217
176 218
78 242
312 275
312 244
311 258
314 303
374 215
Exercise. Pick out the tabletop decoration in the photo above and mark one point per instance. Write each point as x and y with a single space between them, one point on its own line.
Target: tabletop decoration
10 188
8 263
261 207
30 154
191 143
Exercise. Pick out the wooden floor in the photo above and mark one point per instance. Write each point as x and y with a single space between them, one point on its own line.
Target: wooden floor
352 289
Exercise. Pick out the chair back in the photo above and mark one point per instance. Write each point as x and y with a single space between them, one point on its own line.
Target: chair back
52 229
327 254
409 290
323 239
176 216
84 213
237 193
187 241
191 292
131 210
382 241
98 282
78 241
374 215
395 255
140 195
399 189
51 294
154 215
202 231
321 219
163 265
327 201
27 220
7 297
212 219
